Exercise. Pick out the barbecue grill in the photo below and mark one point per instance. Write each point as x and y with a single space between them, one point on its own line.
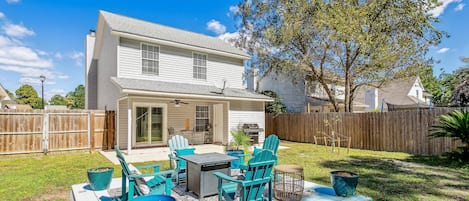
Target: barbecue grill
252 130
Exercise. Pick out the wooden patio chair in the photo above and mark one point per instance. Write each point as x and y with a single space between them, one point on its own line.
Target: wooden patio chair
251 188
156 183
179 146
271 143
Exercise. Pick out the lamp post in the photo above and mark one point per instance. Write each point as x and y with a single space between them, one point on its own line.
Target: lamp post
42 78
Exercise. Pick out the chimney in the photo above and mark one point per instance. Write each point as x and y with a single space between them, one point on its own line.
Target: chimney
252 79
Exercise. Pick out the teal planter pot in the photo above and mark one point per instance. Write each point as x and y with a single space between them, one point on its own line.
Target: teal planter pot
100 178
344 183
238 154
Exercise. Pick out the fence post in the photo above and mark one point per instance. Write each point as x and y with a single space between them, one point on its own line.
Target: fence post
91 130
45 132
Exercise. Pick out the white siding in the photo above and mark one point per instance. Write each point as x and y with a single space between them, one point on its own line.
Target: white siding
107 92
175 65
122 123
292 94
247 112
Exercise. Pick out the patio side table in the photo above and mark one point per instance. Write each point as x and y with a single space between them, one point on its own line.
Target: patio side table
288 182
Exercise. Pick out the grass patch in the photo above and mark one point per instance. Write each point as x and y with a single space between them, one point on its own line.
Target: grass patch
49 177
383 175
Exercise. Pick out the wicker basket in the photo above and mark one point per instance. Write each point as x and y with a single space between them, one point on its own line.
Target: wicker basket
288 182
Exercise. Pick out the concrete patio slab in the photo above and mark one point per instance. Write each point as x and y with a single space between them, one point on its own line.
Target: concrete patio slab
161 153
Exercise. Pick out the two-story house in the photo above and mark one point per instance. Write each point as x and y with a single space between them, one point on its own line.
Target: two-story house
401 94
299 95
162 80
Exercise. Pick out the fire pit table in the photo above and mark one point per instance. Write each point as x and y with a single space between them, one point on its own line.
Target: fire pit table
200 169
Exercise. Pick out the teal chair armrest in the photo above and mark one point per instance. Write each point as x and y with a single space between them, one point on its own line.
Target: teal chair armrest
156 167
225 177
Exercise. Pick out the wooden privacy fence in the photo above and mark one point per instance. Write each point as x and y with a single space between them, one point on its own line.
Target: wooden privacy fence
401 131
44 131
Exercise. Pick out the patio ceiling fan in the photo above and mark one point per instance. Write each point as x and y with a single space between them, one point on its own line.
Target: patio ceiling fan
178 102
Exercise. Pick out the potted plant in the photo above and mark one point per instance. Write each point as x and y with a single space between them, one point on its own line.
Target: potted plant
240 139
100 178
344 182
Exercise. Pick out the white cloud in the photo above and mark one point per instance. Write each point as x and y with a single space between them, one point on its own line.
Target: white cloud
459 7
77 56
229 37
22 56
216 27
443 50
52 92
441 8
13 1
34 81
58 55
2 15
33 72
17 30
233 10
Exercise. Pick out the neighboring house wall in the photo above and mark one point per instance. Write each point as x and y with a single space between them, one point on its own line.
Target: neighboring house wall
292 94
107 92
246 112
316 90
176 65
417 90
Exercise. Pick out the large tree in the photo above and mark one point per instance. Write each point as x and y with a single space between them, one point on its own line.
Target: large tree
348 42
460 93
27 95
58 100
76 98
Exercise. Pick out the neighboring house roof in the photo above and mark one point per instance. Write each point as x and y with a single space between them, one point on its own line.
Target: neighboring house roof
396 92
127 85
3 94
17 107
138 27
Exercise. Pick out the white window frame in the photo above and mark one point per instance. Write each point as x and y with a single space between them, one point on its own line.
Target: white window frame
157 60
196 118
195 66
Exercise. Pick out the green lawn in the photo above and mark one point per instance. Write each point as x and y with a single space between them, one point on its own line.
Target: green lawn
383 175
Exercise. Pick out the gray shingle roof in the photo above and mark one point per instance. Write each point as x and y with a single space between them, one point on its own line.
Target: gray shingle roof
182 88
152 30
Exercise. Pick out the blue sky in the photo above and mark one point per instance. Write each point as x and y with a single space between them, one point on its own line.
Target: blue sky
47 36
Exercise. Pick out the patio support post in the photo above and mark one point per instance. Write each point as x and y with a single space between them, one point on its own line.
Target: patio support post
129 127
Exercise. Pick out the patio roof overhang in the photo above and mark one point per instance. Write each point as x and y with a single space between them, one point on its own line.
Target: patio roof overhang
182 90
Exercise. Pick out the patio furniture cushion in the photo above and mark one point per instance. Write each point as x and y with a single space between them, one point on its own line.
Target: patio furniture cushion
141 183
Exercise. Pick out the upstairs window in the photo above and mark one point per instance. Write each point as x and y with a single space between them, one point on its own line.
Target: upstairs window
150 59
200 66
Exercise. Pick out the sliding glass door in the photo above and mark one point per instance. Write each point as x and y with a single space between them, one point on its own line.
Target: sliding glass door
149 125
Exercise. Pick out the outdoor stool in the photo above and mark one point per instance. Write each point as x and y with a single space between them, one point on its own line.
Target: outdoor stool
288 182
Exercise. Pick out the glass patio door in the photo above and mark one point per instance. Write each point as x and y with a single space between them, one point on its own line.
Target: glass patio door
149 125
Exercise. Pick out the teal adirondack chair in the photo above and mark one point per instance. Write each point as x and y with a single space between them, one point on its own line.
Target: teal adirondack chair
271 143
139 184
258 174
178 146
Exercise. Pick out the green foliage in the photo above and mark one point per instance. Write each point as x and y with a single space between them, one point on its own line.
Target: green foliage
58 100
453 125
76 98
27 95
275 107
350 43
240 139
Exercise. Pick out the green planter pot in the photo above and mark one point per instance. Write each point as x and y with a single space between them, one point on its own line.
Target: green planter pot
100 178
344 183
